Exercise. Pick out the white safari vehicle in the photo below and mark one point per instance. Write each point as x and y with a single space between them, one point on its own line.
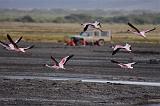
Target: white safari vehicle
94 37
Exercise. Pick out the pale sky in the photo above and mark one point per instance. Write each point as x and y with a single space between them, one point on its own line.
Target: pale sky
82 4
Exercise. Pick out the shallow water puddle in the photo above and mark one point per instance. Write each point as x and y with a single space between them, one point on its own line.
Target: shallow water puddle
43 100
85 80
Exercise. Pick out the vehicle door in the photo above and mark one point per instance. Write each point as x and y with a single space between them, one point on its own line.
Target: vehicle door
89 36
96 36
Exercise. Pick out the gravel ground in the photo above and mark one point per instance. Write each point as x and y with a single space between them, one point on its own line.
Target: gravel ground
90 61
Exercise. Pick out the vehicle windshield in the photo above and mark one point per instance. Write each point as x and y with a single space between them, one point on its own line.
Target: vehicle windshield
86 34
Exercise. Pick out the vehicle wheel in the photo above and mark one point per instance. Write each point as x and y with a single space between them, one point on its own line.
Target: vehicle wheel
101 42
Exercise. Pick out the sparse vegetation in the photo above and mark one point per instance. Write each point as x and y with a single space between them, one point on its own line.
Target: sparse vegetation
79 16
25 18
54 32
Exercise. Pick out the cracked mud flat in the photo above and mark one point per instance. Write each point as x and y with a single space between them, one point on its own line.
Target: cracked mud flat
88 62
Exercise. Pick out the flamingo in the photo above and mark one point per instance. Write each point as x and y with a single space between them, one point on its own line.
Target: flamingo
13 45
16 41
138 32
96 25
127 47
122 65
61 64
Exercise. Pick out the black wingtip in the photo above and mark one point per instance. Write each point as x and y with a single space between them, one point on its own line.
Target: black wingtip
32 46
20 39
113 61
71 55
8 36
10 39
85 29
52 57
131 48
154 28
100 24
113 53
130 24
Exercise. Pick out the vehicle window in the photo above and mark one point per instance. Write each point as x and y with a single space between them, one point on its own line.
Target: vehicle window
90 33
87 34
104 33
96 33
84 34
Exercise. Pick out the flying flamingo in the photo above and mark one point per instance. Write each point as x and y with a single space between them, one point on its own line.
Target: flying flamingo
122 65
61 64
96 25
127 47
138 32
16 41
13 45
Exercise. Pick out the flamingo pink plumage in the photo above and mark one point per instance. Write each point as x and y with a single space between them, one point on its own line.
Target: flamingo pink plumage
127 47
61 64
122 65
138 32
96 25
13 45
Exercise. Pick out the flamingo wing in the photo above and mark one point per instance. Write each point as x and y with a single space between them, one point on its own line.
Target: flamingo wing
100 29
54 60
99 24
29 47
4 44
133 27
115 51
65 59
113 61
86 27
132 63
10 39
150 30
18 40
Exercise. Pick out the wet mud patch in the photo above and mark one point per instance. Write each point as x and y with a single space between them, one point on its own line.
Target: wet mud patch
146 52
44 92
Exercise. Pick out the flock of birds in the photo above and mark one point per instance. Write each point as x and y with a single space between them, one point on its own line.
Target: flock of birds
116 48
13 46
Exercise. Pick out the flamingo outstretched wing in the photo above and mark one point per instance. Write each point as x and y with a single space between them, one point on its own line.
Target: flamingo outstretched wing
65 59
29 47
10 39
133 27
4 44
113 61
86 27
54 60
132 63
115 51
99 24
18 40
150 30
